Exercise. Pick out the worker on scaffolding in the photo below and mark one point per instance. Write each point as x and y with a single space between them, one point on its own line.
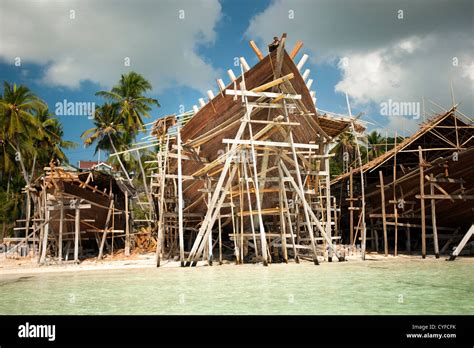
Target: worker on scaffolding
273 46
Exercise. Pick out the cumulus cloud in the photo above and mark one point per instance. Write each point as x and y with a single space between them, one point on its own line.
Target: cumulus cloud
399 50
160 39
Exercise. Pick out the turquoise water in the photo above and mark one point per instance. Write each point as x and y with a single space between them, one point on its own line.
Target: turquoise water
371 287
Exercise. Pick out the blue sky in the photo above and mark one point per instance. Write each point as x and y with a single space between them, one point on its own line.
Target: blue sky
213 34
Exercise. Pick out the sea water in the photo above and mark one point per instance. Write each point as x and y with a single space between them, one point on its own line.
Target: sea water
370 287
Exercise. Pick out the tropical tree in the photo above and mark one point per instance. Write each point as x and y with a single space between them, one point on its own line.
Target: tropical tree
108 131
133 105
375 145
20 127
345 148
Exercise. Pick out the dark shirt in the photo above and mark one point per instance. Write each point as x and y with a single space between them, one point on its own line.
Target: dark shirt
273 46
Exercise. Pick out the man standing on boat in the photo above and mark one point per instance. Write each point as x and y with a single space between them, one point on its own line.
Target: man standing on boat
273 46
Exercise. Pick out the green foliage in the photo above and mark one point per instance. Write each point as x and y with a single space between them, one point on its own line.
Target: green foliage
30 137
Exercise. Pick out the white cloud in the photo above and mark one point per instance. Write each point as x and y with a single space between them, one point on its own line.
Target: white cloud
94 44
389 58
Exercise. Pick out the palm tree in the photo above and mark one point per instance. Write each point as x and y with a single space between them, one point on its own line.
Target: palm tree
345 148
52 143
108 131
133 105
19 125
375 145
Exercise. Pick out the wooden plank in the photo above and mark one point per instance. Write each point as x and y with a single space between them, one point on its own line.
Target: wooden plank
270 143
262 94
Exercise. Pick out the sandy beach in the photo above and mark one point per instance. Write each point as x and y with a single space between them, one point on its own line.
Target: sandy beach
24 266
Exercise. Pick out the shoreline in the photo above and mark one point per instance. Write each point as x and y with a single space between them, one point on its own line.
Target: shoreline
28 266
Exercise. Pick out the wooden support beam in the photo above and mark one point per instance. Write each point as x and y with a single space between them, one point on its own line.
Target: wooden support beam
256 49
77 229
422 202
463 242
273 83
384 218
433 218
244 64
302 61
180 199
127 226
296 49
61 227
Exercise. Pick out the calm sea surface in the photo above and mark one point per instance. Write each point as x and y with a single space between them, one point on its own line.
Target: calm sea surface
371 287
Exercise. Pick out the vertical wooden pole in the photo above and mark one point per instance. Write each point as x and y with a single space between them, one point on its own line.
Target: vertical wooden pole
282 223
287 208
433 218
77 233
351 207
395 210
127 226
384 218
422 202
28 217
44 249
220 240
162 162
180 197
328 200
61 227
249 198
